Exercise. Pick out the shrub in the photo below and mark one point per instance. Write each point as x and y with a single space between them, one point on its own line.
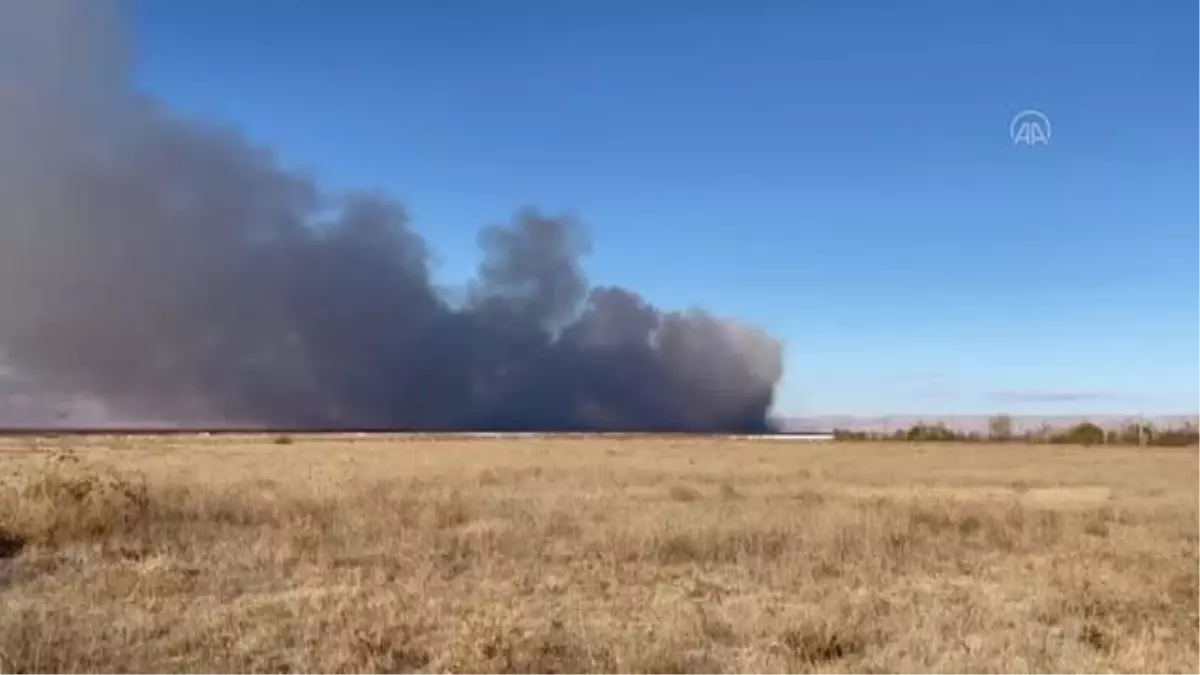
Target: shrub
930 432
1084 433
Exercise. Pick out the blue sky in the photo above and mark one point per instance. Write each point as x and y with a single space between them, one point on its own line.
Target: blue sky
840 173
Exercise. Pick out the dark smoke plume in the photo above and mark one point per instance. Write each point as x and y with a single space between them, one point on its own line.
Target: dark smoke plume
170 268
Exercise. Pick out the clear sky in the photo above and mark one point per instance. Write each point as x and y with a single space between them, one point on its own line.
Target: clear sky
841 173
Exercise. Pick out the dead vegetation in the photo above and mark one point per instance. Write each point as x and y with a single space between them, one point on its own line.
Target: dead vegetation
349 554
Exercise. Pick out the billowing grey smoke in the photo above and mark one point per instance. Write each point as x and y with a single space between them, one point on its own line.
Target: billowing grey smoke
170 268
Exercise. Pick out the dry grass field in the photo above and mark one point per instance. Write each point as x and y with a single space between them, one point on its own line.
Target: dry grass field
340 554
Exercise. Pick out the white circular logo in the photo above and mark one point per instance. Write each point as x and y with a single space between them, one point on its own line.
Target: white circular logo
1029 127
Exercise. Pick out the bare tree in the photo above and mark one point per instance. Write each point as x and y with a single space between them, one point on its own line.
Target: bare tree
1000 427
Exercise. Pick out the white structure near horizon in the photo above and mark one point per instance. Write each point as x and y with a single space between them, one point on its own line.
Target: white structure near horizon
796 436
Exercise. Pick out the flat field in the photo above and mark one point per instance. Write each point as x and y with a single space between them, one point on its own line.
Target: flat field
395 553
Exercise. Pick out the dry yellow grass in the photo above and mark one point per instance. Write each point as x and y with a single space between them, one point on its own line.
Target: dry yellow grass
341 554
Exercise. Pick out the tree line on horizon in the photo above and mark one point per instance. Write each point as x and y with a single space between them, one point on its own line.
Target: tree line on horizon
1001 429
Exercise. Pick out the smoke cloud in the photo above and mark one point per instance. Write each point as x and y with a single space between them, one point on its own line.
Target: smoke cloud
170 268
